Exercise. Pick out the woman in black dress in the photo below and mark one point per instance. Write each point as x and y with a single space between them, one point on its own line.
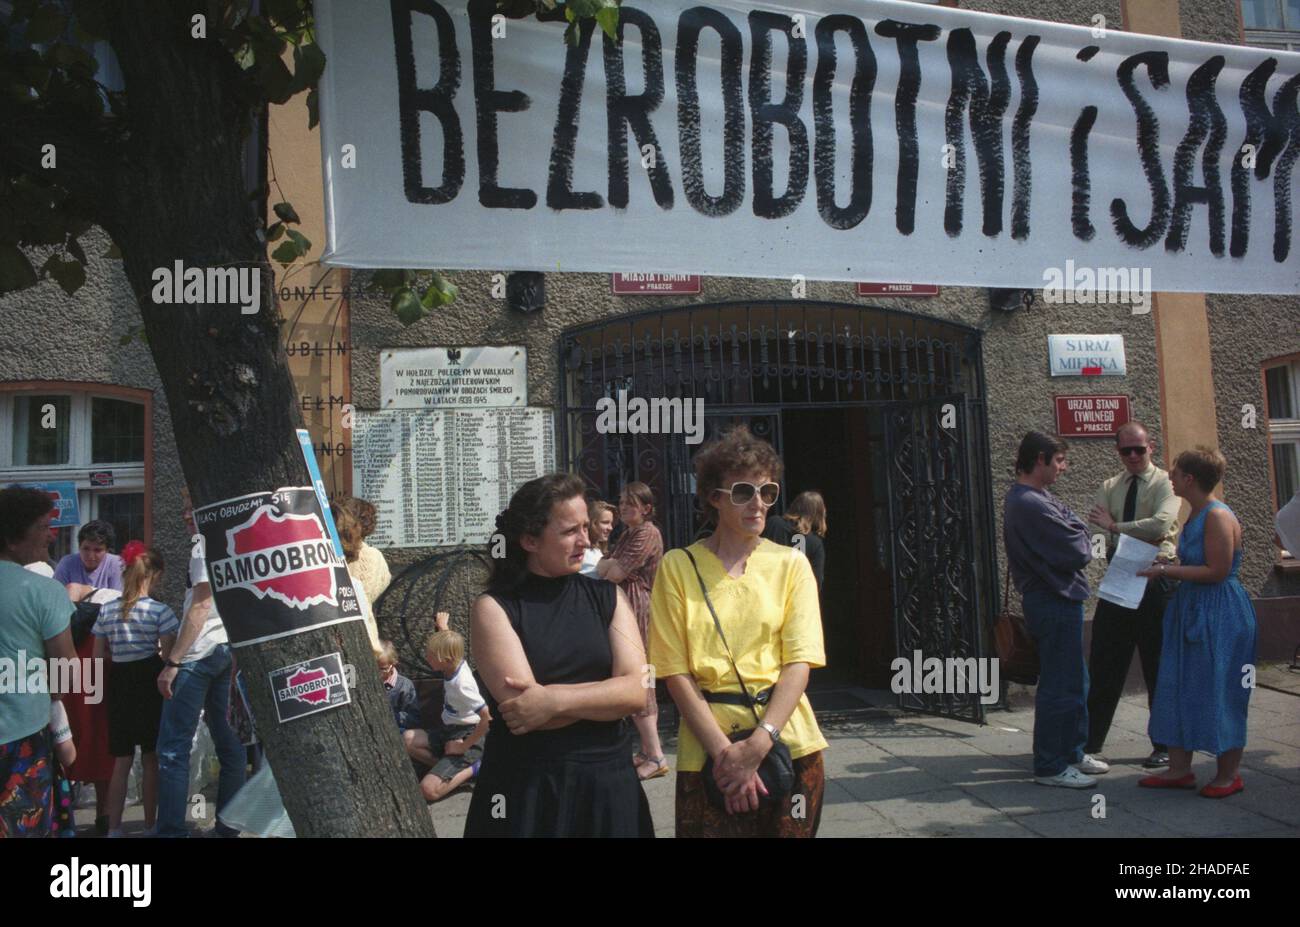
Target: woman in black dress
561 659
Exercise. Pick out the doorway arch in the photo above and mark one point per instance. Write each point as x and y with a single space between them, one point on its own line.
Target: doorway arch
887 405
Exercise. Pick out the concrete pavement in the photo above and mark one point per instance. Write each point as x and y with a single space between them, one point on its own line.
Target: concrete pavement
895 774
891 774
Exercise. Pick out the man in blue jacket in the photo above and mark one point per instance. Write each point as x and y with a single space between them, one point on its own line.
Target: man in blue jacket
1047 547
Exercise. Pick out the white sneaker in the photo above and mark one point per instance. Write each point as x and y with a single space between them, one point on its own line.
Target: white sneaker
1070 778
1092 765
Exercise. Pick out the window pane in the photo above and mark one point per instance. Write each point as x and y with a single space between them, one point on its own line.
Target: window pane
1261 14
1286 464
1293 14
125 512
1277 381
35 444
117 431
65 543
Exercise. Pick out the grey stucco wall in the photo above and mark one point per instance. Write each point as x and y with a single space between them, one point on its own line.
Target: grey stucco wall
1078 14
1246 331
52 336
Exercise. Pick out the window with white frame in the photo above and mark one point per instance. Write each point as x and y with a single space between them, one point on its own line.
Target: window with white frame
95 442
1282 384
1272 23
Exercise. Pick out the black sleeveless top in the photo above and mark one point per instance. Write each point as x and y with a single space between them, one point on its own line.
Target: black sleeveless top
563 624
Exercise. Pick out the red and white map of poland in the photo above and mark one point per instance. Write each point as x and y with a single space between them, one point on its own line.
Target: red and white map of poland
287 557
309 686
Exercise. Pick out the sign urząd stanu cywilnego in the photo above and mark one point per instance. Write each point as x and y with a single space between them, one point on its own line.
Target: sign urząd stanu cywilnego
273 567
836 139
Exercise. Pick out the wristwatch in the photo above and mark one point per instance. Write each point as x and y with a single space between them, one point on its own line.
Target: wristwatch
170 665
773 730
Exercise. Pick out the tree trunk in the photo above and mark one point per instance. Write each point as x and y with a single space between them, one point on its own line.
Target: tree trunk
179 195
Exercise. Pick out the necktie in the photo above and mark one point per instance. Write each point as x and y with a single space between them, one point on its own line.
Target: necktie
1131 500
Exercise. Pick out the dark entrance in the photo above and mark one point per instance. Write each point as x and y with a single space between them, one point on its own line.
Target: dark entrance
880 411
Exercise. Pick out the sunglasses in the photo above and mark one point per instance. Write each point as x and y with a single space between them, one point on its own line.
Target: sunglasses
741 493
1133 451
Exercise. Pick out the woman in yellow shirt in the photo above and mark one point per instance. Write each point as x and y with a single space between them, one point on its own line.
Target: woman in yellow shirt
765 596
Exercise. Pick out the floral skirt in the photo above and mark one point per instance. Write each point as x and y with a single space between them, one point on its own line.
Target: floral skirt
798 816
35 795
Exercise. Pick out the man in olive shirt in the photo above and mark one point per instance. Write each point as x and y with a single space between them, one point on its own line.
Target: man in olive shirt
1139 502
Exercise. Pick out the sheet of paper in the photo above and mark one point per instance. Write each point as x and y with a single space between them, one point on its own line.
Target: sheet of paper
1121 583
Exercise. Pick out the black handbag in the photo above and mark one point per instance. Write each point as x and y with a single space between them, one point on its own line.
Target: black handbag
83 619
777 769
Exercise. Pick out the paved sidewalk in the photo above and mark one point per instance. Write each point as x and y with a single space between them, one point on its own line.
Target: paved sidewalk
895 774
900 775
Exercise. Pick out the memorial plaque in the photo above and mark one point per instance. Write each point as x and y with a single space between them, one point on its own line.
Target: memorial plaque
440 477
453 378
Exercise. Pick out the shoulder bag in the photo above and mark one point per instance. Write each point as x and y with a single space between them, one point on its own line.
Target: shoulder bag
83 619
1017 652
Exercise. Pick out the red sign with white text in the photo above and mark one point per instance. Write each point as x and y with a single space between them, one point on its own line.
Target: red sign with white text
654 284
1090 416
897 289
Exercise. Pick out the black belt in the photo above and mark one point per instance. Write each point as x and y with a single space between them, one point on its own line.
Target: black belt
737 698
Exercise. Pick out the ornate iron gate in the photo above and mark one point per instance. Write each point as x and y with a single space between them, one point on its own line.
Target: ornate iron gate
936 600
752 360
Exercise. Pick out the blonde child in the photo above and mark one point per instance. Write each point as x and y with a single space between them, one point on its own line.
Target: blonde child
401 691
454 750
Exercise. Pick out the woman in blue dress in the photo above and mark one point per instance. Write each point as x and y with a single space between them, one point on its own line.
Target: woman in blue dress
1209 637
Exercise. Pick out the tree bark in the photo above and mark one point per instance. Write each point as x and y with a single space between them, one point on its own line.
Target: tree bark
179 194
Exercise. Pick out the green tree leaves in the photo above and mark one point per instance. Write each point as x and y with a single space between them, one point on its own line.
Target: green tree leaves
413 294
70 275
48 68
16 272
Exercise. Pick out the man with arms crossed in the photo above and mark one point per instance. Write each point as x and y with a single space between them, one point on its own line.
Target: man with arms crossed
1047 549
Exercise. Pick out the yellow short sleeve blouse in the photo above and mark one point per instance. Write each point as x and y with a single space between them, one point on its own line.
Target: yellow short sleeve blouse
771 617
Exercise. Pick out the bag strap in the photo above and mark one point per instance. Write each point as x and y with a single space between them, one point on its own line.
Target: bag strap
749 700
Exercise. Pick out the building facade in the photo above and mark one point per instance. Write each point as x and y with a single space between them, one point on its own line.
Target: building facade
904 411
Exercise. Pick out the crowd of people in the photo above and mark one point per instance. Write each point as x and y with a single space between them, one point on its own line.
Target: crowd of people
1194 628
165 672
586 613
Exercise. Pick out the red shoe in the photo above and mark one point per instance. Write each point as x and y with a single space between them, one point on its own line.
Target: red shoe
1161 782
1216 791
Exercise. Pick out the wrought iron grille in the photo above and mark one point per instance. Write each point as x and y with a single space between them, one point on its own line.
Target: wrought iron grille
784 354
751 360
936 582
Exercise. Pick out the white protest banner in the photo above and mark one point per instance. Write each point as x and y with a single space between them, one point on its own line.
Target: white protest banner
836 139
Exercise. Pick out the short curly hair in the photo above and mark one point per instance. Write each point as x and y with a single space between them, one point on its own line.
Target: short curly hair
737 451
1205 465
363 512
